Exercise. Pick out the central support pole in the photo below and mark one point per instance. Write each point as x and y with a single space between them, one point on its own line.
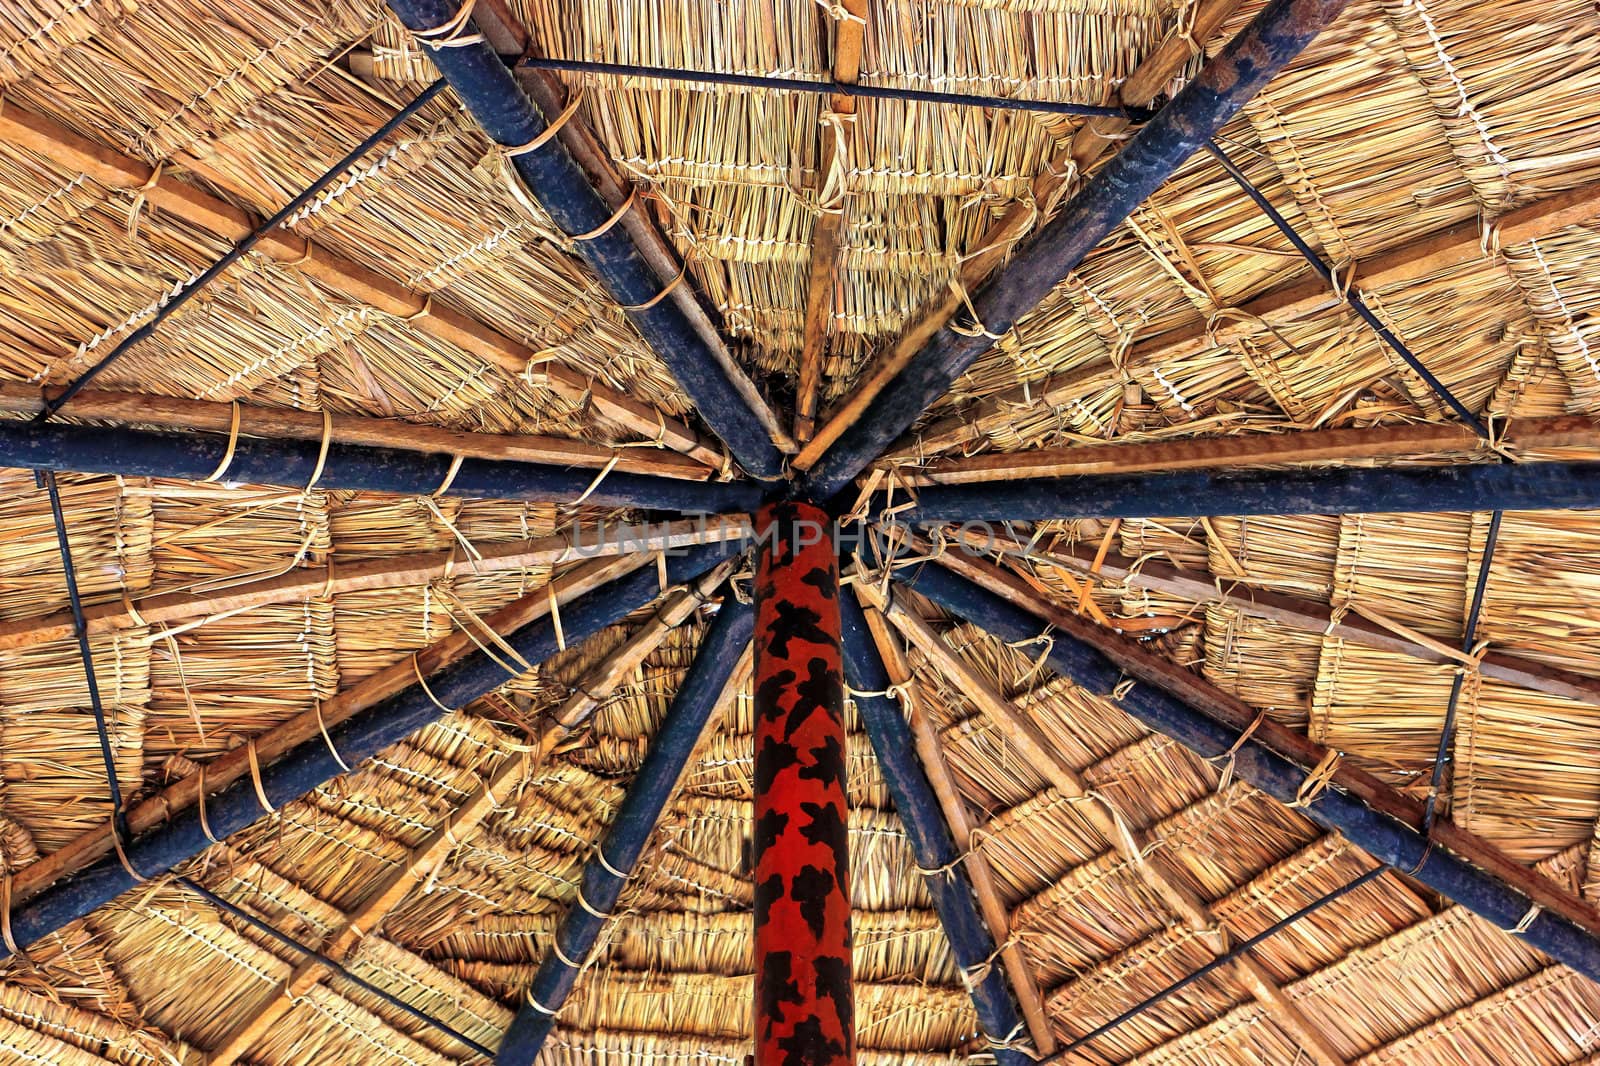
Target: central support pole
804 1010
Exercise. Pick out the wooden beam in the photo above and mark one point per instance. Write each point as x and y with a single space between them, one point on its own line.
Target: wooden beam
1133 846
234 764
1149 79
1448 248
849 19
600 681
336 578
962 831
1233 713
291 423
1307 616
213 214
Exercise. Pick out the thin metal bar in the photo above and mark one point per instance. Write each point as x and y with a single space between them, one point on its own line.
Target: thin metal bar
185 292
46 479
1242 948
332 965
825 88
1347 292
1469 634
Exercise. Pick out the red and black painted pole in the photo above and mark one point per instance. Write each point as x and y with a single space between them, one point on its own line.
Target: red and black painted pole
804 1000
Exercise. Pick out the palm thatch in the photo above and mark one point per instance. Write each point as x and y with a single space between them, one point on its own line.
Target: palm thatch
1405 119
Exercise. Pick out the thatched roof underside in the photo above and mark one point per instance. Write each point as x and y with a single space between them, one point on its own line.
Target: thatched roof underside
1406 117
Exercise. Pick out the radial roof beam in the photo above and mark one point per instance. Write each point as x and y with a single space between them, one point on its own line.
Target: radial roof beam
1225 84
715 671
1060 175
1330 490
306 464
215 215
286 422
326 756
1261 449
725 398
1452 862
971 944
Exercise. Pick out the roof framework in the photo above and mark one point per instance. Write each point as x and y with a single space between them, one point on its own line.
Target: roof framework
1213 904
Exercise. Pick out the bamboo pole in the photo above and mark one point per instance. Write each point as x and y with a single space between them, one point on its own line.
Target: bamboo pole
1133 846
1286 765
238 459
214 215
1449 248
598 682
289 423
963 833
1065 168
336 578
491 94
1240 70
718 670
849 22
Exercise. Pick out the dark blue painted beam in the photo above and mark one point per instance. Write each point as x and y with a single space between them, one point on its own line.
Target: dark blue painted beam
313 764
258 461
970 942
602 881
1225 84
1334 490
1388 841
491 94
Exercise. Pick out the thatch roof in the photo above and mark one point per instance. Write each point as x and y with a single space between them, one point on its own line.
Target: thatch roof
158 131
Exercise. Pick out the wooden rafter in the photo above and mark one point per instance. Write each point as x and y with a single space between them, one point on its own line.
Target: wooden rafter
292 424
367 575
214 215
1449 248
1263 449
962 830
1026 738
1069 163
849 19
